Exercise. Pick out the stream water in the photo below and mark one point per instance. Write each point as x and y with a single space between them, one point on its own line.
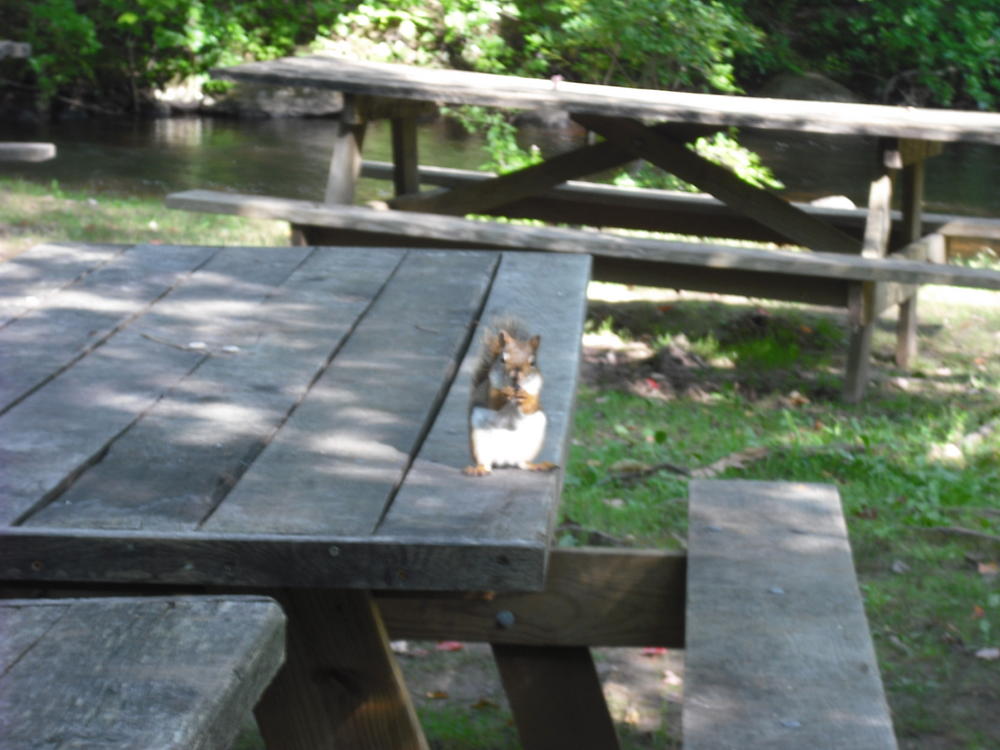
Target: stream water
289 157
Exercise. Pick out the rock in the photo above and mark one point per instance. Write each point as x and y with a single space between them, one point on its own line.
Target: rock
833 201
809 86
251 101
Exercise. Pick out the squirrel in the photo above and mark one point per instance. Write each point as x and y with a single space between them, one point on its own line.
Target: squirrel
506 421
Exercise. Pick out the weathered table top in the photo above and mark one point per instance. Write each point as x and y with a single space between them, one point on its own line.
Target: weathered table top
288 416
464 87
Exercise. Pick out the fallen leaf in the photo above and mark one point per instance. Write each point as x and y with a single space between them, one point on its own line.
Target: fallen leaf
654 651
988 569
736 460
989 654
449 646
899 567
978 612
436 695
614 502
672 678
484 703
628 466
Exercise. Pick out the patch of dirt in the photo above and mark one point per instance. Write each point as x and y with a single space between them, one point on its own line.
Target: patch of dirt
642 688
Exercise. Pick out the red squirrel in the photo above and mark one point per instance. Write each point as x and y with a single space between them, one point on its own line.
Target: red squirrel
506 421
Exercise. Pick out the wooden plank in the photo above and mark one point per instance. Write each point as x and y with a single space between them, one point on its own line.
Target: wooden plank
759 204
178 672
437 500
345 162
482 196
913 177
700 214
10 151
463 87
592 597
70 323
341 686
556 697
778 652
405 174
406 225
280 327
338 459
42 451
815 290
267 560
26 280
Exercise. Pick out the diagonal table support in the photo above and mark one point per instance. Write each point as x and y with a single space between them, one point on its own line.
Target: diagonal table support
535 179
759 204
341 685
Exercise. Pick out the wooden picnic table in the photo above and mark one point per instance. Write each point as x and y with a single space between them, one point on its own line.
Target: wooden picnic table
290 420
654 125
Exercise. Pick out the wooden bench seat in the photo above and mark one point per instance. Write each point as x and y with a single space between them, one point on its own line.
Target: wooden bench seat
777 652
616 257
765 604
156 673
600 205
17 151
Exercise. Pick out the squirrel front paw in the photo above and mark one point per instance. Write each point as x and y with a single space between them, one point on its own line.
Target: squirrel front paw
540 466
476 471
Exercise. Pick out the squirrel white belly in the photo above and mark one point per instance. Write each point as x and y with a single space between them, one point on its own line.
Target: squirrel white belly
506 421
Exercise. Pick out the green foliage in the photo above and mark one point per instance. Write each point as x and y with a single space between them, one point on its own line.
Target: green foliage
917 52
721 149
671 44
118 51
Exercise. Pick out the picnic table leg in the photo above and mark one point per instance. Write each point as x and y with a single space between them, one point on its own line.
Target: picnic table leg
863 302
912 207
405 160
345 165
556 697
341 685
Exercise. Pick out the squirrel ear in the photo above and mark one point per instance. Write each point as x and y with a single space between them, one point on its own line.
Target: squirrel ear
502 337
535 341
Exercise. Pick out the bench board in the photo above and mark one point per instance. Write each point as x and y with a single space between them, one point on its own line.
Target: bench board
180 672
778 652
405 225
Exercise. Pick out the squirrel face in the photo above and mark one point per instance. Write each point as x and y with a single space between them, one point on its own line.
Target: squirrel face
517 359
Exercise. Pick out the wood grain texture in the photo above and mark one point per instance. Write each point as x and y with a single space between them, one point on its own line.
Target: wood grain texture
548 294
405 225
556 698
250 426
759 204
484 195
162 673
269 560
340 686
68 324
592 597
340 457
461 87
600 205
27 279
778 653
172 468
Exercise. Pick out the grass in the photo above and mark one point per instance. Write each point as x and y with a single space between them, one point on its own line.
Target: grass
694 380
